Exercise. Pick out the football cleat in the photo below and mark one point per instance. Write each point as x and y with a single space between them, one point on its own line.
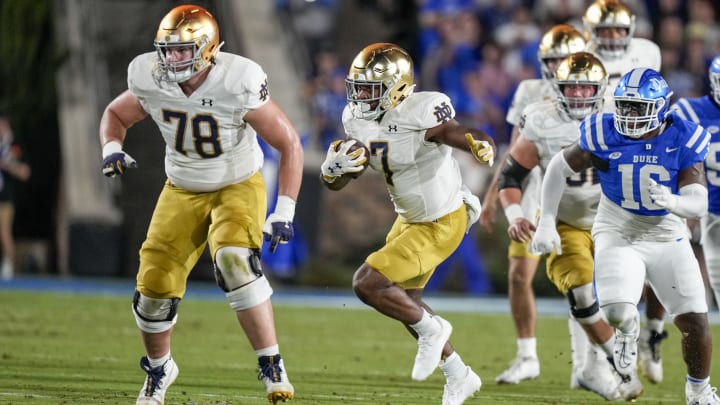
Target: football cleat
625 353
707 397
598 376
522 368
157 382
630 386
272 374
430 348
457 390
649 361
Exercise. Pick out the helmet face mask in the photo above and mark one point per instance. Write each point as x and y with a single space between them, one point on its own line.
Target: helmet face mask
714 76
556 44
582 70
185 27
380 77
642 99
610 25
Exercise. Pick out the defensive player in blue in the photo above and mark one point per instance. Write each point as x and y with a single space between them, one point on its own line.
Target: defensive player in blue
650 167
705 111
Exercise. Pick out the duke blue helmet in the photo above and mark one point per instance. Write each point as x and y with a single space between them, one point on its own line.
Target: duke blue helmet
714 75
642 99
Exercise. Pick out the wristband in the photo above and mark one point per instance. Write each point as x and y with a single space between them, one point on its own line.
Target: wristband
285 207
513 212
110 148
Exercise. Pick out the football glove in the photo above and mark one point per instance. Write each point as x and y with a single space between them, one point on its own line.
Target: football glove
546 237
278 228
339 162
115 161
662 196
482 150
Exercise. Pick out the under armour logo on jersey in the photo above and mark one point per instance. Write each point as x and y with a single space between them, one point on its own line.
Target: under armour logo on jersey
648 146
442 112
264 92
207 101
392 128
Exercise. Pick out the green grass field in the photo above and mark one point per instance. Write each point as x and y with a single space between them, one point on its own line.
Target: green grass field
83 349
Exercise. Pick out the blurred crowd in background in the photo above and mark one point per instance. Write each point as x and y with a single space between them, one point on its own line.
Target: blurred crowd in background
477 51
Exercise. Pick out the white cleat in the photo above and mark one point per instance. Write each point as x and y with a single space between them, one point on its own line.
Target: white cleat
630 386
649 361
272 374
157 382
430 348
598 376
625 353
707 397
457 390
522 368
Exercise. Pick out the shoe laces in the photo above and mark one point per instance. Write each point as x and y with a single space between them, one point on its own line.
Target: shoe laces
270 368
154 376
654 342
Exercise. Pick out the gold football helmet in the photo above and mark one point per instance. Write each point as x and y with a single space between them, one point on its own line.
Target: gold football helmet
609 14
380 77
581 68
556 44
187 26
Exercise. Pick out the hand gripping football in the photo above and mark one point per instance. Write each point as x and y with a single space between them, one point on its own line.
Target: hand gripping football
352 151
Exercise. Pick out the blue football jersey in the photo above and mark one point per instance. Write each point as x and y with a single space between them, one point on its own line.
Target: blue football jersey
625 165
703 111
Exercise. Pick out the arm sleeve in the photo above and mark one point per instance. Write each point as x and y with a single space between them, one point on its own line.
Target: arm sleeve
554 185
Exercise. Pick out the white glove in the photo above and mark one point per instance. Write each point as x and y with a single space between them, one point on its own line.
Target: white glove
546 238
338 161
662 196
482 150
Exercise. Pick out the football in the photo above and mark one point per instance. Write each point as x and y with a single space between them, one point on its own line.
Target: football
357 145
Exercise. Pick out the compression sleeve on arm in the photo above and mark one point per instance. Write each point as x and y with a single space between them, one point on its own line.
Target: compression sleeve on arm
554 184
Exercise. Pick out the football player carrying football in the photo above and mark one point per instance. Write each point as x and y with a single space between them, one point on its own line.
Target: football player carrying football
410 137
650 167
207 105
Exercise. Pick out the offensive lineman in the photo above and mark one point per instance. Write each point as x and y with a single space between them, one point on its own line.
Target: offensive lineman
207 105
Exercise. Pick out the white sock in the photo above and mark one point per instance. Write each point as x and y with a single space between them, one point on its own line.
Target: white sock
426 324
527 347
696 386
655 325
158 362
268 351
579 343
609 346
452 366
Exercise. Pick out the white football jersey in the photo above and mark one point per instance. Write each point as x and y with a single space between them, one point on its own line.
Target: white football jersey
640 53
208 145
528 91
422 177
546 124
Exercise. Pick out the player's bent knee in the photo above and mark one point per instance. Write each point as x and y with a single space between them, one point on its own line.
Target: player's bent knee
154 315
584 305
239 273
623 315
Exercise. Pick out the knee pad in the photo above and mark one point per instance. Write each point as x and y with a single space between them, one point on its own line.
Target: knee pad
154 315
583 304
623 316
239 273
